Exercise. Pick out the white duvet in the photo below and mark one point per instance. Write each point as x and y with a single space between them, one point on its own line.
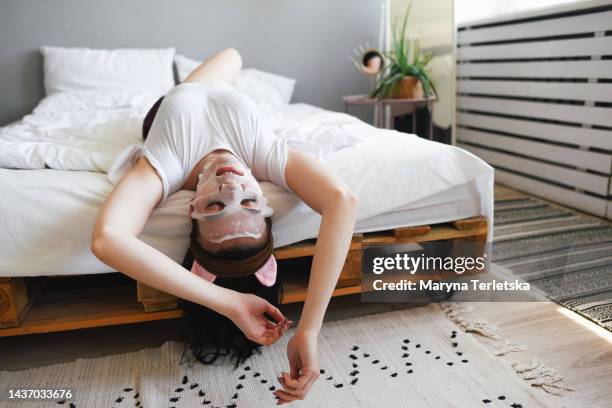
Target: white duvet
46 217
86 130
75 131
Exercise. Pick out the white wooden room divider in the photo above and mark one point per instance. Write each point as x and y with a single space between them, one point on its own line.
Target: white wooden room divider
534 99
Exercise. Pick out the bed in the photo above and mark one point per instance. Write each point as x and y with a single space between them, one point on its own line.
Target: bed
56 168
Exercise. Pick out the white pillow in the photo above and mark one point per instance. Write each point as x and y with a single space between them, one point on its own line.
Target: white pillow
261 86
184 66
78 69
266 87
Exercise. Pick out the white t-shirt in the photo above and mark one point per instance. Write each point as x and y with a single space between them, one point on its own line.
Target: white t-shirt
194 119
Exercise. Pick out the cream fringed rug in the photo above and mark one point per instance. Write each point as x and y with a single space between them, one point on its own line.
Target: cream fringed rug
412 358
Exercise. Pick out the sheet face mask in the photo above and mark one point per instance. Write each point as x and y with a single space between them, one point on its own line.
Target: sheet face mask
234 213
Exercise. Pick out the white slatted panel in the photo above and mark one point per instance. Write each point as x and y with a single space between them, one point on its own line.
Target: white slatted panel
561 150
561 175
599 162
600 92
582 47
546 131
594 205
548 69
585 23
591 115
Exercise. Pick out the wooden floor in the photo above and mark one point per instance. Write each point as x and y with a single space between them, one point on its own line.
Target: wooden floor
578 349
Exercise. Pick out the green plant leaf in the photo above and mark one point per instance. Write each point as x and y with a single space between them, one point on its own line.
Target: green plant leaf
404 59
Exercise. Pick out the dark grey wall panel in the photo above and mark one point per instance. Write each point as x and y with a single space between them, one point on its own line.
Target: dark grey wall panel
309 40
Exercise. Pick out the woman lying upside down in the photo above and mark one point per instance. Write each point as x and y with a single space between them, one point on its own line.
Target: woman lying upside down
206 136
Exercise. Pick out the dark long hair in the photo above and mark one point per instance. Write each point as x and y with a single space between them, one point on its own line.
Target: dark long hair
210 335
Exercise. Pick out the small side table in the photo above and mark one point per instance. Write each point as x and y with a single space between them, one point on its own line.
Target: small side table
386 109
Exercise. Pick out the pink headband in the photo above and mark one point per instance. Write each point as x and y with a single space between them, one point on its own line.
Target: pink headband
266 275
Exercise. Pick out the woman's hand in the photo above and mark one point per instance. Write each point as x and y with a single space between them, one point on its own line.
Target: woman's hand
248 314
303 355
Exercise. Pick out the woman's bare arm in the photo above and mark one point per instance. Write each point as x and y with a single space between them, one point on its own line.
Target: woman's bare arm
115 241
325 193
224 66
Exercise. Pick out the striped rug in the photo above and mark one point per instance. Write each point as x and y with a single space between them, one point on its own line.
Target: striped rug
564 255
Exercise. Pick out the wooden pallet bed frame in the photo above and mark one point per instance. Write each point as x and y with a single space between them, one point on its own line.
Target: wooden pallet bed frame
32 309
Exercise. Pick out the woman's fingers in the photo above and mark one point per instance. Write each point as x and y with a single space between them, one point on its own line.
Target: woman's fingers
274 312
270 325
288 389
291 382
272 331
309 384
299 386
306 377
285 326
295 389
285 397
279 328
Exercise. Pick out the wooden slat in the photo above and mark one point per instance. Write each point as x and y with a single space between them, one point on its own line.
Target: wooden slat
579 47
148 294
584 202
411 231
13 302
86 307
158 307
599 92
305 248
437 233
470 223
590 160
579 136
294 290
153 299
572 178
547 69
351 271
585 23
554 111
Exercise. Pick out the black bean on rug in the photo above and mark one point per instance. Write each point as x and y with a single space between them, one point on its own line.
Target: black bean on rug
563 254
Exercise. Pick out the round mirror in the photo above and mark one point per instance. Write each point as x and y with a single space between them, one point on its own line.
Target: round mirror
372 62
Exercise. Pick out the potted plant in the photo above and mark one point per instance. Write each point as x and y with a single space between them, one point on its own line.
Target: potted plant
404 75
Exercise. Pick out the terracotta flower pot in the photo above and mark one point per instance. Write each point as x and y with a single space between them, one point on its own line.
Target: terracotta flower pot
408 88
